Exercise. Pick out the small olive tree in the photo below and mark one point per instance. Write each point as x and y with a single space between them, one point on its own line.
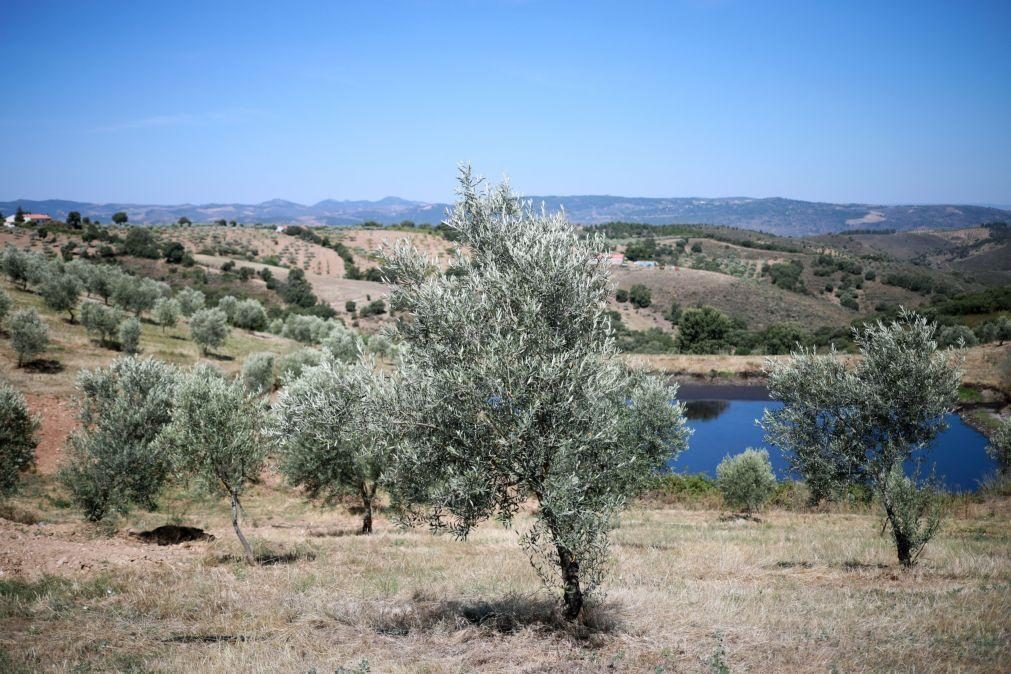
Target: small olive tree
228 304
129 335
114 462
249 315
258 372
999 447
746 480
5 304
15 264
209 329
61 292
512 389
17 437
844 425
331 428
101 320
190 300
216 436
29 334
166 312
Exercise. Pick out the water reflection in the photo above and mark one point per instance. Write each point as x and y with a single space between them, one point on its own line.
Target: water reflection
704 410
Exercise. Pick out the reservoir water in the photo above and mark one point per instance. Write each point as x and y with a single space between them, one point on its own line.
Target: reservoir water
724 419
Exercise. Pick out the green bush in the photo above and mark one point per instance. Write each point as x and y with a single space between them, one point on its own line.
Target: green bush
746 480
5 304
640 296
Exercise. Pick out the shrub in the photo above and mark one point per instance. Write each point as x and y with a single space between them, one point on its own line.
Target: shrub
209 329
914 512
29 334
703 330
640 296
100 320
956 336
258 372
190 300
308 329
17 437
621 295
114 463
215 435
746 480
129 335
249 315
373 308
696 247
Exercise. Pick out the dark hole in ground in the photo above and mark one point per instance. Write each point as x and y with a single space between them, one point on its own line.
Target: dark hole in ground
44 366
171 534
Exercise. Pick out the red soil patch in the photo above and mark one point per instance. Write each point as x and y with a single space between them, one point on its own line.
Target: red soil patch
57 420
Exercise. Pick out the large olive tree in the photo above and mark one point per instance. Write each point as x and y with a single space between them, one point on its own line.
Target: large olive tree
333 435
841 424
512 389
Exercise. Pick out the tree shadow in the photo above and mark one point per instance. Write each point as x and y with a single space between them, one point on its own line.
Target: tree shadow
854 565
219 356
736 517
44 366
507 615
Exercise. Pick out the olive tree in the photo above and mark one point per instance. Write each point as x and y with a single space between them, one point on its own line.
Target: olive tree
5 304
843 425
15 264
166 312
114 462
258 372
101 320
29 334
129 335
209 329
330 427
61 292
512 389
216 435
17 437
190 300
249 315
137 294
228 304
746 480
999 447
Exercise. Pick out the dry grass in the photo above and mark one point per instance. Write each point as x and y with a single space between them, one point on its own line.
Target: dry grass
794 592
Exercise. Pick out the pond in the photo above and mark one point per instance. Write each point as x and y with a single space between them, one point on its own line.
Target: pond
724 419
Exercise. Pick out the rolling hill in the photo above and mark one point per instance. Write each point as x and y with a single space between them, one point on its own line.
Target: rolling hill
774 215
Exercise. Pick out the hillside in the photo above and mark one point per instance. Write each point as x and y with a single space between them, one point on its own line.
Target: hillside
775 215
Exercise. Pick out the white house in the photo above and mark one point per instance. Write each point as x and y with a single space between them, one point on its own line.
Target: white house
33 218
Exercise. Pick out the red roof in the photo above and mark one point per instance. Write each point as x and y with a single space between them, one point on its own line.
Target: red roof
36 216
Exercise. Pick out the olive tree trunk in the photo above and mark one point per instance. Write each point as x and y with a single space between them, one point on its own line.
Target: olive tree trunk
572 591
247 551
368 496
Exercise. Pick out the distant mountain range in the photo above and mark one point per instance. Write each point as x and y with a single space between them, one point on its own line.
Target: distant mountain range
775 215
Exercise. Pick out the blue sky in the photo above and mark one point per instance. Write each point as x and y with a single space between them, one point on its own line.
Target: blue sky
888 102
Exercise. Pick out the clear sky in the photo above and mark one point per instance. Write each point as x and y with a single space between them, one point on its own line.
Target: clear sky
171 102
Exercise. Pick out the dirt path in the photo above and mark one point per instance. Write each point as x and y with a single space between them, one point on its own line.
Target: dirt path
57 421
